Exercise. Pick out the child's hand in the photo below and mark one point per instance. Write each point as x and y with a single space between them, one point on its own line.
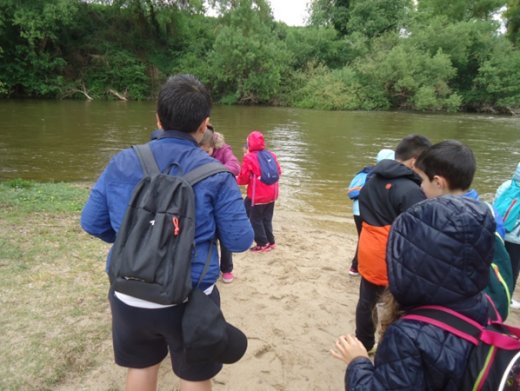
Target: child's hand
348 348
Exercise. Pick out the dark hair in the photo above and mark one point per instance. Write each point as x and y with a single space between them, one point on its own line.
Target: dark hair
451 160
183 103
411 147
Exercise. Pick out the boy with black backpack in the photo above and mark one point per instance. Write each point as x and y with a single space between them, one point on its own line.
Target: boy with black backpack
260 171
163 203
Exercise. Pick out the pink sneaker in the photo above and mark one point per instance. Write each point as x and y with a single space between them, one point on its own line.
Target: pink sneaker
261 249
353 271
227 277
272 245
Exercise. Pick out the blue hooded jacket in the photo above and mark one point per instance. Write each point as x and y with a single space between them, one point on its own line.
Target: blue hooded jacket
219 209
439 252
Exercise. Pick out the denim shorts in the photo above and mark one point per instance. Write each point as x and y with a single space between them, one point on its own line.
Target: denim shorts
142 337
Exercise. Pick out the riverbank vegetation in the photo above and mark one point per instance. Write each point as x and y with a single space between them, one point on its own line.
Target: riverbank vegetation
430 55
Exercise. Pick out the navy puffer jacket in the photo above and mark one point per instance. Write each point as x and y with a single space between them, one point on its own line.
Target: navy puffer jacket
439 253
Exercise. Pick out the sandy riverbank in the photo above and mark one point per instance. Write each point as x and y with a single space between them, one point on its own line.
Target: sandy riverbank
291 303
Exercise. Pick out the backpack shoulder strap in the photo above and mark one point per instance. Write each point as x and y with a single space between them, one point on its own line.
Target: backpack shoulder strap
448 320
268 153
204 171
146 158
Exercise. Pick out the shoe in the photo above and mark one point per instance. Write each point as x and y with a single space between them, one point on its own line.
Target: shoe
272 245
227 277
515 304
261 249
353 271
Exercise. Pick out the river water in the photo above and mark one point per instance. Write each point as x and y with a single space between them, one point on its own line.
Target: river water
319 151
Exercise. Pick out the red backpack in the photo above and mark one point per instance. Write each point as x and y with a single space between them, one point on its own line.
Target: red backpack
494 361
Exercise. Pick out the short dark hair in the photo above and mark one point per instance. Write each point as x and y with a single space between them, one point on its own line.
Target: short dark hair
411 146
450 159
183 103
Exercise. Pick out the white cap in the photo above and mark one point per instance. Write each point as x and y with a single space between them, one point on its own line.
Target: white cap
385 154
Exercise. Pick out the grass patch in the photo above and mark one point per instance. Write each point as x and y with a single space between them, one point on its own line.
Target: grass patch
20 197
54 314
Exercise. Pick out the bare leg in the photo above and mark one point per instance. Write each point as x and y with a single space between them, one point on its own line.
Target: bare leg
195 385
142 379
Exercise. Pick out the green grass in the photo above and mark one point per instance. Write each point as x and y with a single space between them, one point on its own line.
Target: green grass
53 309
22 196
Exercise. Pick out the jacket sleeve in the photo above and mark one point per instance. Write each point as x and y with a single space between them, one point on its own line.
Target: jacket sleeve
233 226
244 177
95 217
397 366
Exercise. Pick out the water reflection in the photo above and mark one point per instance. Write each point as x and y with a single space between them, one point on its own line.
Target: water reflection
319 151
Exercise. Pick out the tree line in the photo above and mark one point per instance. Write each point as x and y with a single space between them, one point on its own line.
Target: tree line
426 55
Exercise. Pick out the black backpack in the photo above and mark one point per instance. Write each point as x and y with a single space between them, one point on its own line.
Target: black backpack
268 168
151 256
494 361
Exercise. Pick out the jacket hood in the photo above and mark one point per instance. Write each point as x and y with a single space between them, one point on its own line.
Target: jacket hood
255 141
472 193
516 175
393 169
439 252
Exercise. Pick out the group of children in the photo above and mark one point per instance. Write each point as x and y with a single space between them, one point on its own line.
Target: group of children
261 196
425 240
413 252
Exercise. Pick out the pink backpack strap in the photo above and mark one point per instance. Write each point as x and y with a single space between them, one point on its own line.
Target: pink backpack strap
449 320
491 303
511 342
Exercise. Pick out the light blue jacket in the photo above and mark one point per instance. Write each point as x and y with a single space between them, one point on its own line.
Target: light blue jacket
219 207
514 235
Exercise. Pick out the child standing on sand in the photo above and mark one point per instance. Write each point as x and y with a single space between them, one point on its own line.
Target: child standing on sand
260 196
506 197
354 189
213 143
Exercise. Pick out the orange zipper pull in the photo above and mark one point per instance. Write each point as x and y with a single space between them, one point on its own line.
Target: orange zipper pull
176 226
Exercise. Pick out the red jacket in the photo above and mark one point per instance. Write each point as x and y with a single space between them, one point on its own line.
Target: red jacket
257 191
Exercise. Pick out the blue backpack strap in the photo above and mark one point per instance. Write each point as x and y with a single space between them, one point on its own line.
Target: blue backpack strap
146 158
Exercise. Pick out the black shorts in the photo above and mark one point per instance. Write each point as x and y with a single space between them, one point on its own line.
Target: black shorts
141 338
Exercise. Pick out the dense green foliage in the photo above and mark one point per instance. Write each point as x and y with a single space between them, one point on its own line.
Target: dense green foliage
438 55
